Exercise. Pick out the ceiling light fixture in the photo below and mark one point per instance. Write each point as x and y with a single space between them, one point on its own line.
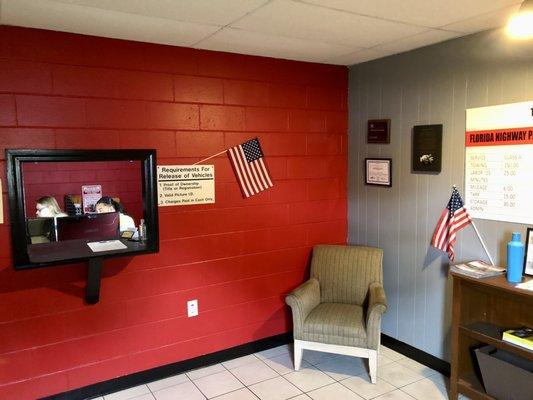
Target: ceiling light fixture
520 25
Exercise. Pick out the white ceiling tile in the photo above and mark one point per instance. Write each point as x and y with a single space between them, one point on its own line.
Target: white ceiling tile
303 21
333 31
422 39
357 57
430 13
243 42
47 14
216 12
484 22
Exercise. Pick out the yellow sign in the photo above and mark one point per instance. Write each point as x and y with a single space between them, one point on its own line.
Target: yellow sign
179 185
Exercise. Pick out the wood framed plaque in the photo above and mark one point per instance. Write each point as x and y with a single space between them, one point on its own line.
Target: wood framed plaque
427 148
378 131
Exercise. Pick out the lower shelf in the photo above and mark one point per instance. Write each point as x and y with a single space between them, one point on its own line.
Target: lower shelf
470 386
492 334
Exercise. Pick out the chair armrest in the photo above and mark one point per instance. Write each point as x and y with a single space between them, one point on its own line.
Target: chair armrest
377 305
302 300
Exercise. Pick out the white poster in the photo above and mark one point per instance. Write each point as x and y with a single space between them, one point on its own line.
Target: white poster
499 162
90 194
185 184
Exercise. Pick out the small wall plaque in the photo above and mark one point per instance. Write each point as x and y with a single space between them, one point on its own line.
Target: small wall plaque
378 171
427 148
378 131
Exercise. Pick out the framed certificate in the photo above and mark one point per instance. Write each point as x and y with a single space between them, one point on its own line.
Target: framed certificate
528 259
378 171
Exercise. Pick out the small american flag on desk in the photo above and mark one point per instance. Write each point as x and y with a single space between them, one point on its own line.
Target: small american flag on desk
453 218
249 167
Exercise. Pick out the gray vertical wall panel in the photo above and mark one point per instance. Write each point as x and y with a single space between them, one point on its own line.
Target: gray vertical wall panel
389 197
441 111
422 234
435 84
408 213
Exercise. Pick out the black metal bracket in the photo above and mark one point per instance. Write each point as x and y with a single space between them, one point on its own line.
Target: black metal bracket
94 275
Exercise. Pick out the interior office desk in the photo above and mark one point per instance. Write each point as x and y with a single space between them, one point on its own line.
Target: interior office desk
77 249
482 310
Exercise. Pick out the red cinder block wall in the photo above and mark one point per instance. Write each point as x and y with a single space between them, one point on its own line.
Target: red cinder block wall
237 257
118 179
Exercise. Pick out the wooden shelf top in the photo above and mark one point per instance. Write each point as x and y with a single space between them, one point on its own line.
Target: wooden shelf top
498 282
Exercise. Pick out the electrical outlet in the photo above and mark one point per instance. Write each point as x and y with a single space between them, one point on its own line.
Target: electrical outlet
192 308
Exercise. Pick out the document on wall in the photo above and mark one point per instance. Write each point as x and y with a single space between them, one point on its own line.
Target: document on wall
499 162
106 245
90 195
179 185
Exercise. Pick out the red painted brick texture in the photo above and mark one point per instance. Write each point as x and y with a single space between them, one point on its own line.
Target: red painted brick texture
119 179
237 257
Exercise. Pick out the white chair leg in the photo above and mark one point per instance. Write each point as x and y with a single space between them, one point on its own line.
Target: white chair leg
373 365
297 355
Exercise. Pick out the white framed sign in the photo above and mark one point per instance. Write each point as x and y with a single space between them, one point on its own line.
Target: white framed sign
179 185
378 171
90 194
499 162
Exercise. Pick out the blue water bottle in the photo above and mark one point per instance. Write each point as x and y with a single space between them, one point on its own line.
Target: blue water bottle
515 259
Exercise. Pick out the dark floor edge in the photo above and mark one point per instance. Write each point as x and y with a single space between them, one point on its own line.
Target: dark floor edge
418 355
165 371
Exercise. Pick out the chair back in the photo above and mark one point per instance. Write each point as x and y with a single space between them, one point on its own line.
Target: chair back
344 272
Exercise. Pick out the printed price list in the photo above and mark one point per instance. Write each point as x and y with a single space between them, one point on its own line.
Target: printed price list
499 183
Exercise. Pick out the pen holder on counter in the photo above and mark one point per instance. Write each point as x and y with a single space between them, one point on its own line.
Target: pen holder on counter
142 231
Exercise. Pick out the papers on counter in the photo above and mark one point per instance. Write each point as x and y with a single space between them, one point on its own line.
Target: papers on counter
477 269
107 245
525 285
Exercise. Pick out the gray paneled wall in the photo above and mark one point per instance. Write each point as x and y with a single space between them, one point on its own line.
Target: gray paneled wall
432 85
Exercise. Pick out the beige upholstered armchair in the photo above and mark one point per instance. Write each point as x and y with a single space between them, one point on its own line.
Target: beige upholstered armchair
338 310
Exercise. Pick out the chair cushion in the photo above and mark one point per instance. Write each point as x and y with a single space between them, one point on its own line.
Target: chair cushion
336 323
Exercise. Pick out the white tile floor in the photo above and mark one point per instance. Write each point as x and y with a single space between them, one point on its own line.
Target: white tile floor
269 375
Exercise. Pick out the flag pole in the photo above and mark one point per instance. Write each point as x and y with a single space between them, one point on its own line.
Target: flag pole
480 239
482 243
210 157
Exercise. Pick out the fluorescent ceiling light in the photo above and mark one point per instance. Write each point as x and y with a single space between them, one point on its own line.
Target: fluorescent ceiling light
520 25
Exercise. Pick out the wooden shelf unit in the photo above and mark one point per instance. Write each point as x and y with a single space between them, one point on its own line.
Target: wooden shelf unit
482 310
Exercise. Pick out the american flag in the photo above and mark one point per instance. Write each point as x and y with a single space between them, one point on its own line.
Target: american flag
453 218
249 167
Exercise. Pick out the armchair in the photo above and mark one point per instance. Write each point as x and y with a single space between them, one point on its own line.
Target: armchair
338 310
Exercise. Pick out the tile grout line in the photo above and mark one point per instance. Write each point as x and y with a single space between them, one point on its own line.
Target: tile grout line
229 370
197 388
279 376
312 365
